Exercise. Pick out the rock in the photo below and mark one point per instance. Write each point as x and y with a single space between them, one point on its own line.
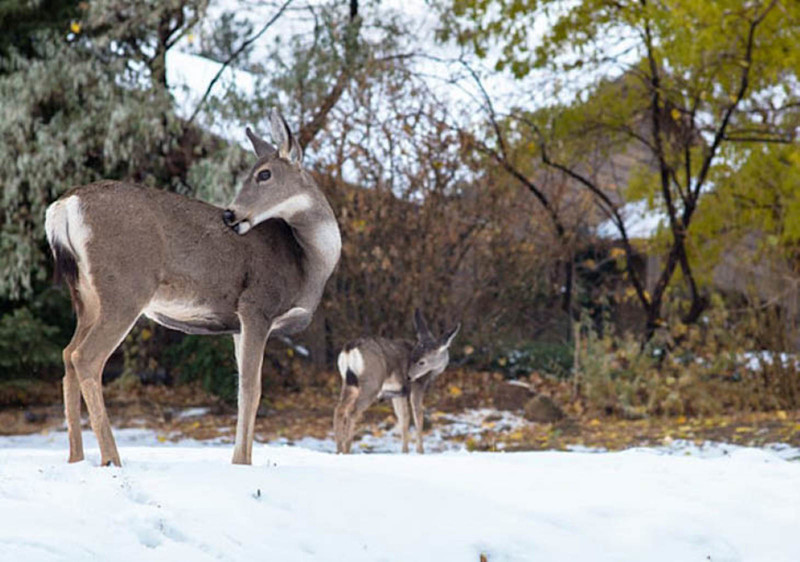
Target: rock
542 409
511 395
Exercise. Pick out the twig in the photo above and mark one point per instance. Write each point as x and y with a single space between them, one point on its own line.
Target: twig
235 54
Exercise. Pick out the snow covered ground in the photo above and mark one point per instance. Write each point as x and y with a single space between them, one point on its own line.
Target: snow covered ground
184 501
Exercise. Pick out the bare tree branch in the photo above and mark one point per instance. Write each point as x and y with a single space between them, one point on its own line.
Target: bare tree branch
744 81
234 56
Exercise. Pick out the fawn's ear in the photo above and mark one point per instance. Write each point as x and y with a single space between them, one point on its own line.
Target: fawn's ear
448 337
421 327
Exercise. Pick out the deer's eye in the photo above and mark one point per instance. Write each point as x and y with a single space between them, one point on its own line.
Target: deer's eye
263 175
421 363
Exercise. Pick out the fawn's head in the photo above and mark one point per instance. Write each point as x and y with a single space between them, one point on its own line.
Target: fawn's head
430 354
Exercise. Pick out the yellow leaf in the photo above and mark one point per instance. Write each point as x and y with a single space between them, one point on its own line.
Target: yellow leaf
161 438
454 391
681 419
290 352
146 334
781 414
515 435
675 114
469 350
617 253
75 27
502 361
744 429
680 329
594 423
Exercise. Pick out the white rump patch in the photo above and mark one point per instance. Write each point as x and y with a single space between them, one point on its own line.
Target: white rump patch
356 361
352 360
342 363
64 223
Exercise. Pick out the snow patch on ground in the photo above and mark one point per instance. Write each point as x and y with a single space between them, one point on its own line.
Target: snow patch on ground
448 433
185 501
704 450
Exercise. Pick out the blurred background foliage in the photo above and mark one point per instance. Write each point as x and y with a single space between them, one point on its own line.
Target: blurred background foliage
515 214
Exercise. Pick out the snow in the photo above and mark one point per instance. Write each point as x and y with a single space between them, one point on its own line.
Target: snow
755 360
640 220
185 501
190 75
449 433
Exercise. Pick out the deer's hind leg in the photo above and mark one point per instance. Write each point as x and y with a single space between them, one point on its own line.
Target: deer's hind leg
72 392
109 326
342 414
366 397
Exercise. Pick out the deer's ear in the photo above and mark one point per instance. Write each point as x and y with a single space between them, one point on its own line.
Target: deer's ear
260 146
448 338
421 327
288 147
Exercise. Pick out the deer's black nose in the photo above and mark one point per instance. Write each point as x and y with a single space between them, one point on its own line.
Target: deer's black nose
228 217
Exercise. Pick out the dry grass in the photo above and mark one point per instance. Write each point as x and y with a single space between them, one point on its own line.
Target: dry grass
294 415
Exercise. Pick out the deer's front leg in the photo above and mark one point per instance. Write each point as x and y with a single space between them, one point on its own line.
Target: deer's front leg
417 391
403 418
249 346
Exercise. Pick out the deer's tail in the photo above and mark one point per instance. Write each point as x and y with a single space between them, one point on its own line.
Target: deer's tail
62 217
351 365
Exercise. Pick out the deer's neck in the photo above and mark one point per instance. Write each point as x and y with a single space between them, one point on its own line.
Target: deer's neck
318 234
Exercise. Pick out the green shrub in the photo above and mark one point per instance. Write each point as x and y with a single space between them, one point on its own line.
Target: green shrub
688 370
28 346
209 359
549 358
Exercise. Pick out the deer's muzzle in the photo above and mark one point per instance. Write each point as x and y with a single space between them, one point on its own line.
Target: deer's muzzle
238 226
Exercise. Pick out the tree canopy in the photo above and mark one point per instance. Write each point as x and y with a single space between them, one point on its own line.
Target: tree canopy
692 88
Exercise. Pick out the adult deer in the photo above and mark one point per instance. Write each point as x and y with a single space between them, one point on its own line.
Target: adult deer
255 269
376 368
